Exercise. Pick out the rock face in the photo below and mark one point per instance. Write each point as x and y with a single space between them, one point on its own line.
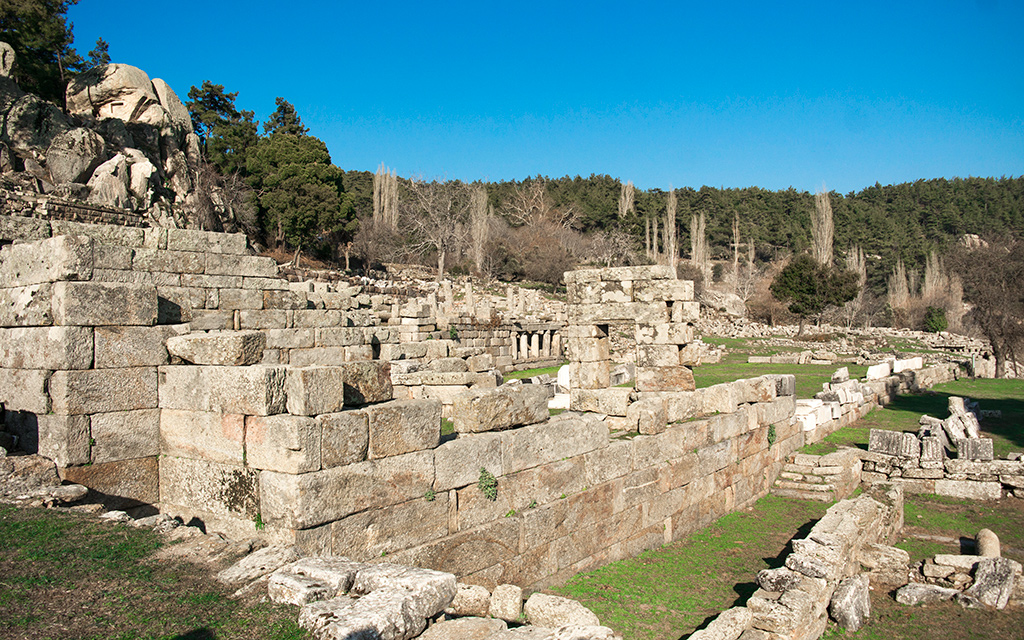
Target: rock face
74 155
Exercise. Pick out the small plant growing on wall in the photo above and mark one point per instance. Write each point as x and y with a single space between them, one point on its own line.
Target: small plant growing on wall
453 333
488 484
771 435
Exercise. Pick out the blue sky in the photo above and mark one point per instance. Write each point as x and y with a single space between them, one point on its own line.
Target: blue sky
728 94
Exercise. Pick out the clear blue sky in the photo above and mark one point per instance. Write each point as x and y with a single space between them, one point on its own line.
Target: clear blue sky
734 94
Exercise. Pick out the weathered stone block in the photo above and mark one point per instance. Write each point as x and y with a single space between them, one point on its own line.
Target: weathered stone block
309 499
134 481
205 241
612 401
240 265
209 435
221 489
367 382
46 348
685 312
590 375
285 443
123 435
64 439
53 259
25 390
664 379
103 390
403 426
339 336
344 438
28 306
101 303
667 333
369 535
560 437
315 390
170 261
457 462
648 414
238 299
275 299
117 347
969 489
894 443
219 348
975 449
20 229
501 408
663 290
258 390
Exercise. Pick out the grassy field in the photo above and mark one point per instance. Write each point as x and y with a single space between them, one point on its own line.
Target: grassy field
64 575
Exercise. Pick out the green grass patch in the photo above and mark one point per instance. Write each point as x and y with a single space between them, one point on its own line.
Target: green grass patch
669 592
447 427
529 373
809 377
67 576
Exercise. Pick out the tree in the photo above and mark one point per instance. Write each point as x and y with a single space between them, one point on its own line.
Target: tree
626 197
285 119
480 214
992 275
385 196
42 40
100 54
700 256
822 228
671 250
438 213
811 288
226 134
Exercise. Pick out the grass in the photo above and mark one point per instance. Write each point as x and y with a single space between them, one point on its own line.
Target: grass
63 575
670 592
904 413
809 377
529 373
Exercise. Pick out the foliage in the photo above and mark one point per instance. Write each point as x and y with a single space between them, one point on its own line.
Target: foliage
488 484
935 320
100 54
285 119
41 36
810 287
227 134
771 435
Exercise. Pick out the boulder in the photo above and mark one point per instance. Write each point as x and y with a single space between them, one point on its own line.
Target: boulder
6 59
850 606
729 625
478 628
111 91
553 611
74 155
993 582
917 593
109 184
470 600
31 123
986 543
507 602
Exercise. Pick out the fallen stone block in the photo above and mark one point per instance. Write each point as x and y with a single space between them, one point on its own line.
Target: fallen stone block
975 449
466 628
222 348
986 543
500 408
507 603
470 600
257 564
994 580
918 593
850 606
728 625
894 443
312 579
553 611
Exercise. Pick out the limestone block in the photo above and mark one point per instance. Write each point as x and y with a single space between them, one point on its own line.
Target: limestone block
668 333
275 299
133 346
377 532
25 390
239 265
648 272
103 390
28 306
46 348
601 292
310 499
289 338
657 355
339 336
285 443
134 481
318 356
994 581
894 443
850 606
104 303
237 299
728 625
50 260
470 600
663 291
258 390
560 437
220 348
22 230
641 312
257 564
64 439
123 435
367 382
344 438
648 414
612 401
975 449
500 408
205 241
144 259
969 489
664 379
909 364
879 371
761 389
209 435
457 462
221 489
554 612
403 426
506 603
685 312
919 593
589 375
332 575
315 390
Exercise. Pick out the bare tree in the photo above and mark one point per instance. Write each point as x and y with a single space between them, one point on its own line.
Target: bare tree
899 293
856 263
385 196
700 256
626 197
438 215
671 249
735 250
479 224
822 229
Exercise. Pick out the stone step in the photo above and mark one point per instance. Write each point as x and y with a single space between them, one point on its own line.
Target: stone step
798 468
804 486
803 495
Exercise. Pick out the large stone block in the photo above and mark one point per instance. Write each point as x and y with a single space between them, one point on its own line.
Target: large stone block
379 532
969 489
222 348
613 401
894 443
19 229
64 439
133 346
664 379
640 312
590 375
367 381
403 426
213 487
285 443
50 260
134 481
123 236
104 303
663 291
25 390
657 355
560 437
275 299
344 438
203 435
258 390
169 261
124 435
103 390
310 499
315 390
685 312
28 306
601 292
205 241
500 408
46 348
468 551
457 462
239 299
331 336
668 333
239 265
647 272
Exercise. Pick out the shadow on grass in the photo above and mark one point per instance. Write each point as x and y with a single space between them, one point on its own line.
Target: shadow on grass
936 404
197 634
